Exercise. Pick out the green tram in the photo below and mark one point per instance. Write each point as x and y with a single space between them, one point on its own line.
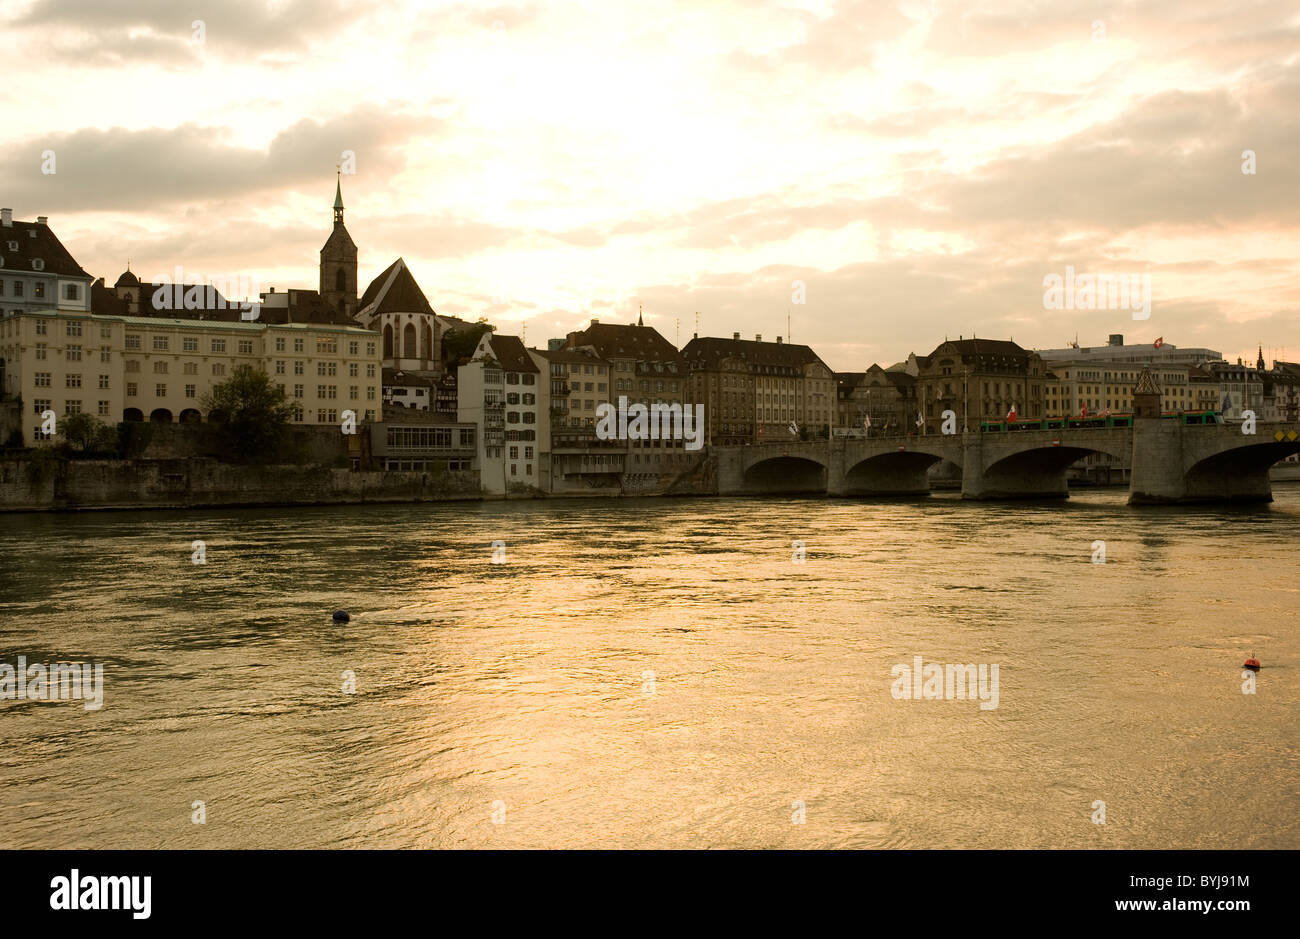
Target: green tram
1091 422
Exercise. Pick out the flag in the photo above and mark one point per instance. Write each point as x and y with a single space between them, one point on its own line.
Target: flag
760 430
794 429
1159 342
1105 413
866 422
920 419
1084 411
1226 404
1011 415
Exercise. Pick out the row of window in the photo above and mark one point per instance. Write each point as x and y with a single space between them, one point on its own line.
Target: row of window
429 438
17 289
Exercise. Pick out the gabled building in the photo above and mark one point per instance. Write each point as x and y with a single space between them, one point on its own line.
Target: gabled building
502 391
978 380
395 306
36 271
338 263
885 395
647 369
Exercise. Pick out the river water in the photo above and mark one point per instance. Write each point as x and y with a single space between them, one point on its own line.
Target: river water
656 673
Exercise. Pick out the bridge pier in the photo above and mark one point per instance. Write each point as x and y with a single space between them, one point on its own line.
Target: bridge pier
1173 464
1035 475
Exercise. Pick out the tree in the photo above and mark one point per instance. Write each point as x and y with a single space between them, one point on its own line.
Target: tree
460 343
256 411
87 432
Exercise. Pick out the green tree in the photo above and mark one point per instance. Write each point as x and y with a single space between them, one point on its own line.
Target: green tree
255 412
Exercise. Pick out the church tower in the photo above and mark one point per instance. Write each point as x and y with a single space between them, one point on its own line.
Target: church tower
338 262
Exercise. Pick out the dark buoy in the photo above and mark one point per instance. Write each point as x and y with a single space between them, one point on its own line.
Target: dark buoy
341 616
1252 663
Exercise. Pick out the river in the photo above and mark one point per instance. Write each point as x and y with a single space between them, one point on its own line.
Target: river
656 673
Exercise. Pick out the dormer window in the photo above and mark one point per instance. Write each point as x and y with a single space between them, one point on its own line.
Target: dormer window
38 264
13 246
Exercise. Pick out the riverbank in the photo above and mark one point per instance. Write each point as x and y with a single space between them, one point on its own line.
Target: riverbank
90 485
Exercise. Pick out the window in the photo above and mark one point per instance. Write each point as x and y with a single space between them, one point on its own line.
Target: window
245 347
353 347
279 344
160 368
160 343
41 404
191 368
133 365
74 353
326 345
190 344
370 348
191 391
352 370
297 367
18 288
42 379
39 285
40 327
218 369
103 409
160 390
370 393
279 366
40 350
297 391
297 344
354 393
105 354
529 378
130 389
72 407
133 340
103 381
370 371
218 345
74 327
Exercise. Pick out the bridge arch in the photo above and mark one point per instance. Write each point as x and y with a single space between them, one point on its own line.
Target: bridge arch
1237 473
784 473
888 472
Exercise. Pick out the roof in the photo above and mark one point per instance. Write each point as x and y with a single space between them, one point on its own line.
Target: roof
1147 383
106 302
26 242
612 341
976 351
394 376
126 279
709 351
510 352
568 355
395 291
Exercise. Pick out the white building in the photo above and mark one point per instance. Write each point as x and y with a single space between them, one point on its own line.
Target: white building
503 391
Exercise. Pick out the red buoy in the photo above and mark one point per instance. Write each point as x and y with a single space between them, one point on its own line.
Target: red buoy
1252 663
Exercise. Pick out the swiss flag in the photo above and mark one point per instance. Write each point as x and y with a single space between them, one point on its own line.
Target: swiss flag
1011 415
1159 342
1084 411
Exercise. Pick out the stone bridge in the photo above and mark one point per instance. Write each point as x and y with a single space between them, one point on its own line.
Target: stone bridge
1171 462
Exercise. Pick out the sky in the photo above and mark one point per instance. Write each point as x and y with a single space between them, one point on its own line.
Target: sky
864 177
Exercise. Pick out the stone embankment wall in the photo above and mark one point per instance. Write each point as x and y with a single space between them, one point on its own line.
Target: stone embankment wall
49 484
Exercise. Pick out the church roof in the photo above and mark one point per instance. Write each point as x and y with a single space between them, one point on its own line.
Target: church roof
1147 384
394 291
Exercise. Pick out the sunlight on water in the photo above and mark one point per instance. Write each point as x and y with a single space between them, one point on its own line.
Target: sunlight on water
656 673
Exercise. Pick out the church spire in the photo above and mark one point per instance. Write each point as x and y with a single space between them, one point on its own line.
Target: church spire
1260 364
639 320
338 199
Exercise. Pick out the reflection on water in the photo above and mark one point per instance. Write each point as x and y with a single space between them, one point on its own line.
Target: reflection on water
655 673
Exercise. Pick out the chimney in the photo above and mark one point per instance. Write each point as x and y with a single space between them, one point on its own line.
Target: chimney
735 335
595 322
42 220
758 337
1116 339
778 340
7 218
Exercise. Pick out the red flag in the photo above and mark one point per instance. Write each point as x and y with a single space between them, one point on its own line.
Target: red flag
1011 415
1159 342
1084 411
